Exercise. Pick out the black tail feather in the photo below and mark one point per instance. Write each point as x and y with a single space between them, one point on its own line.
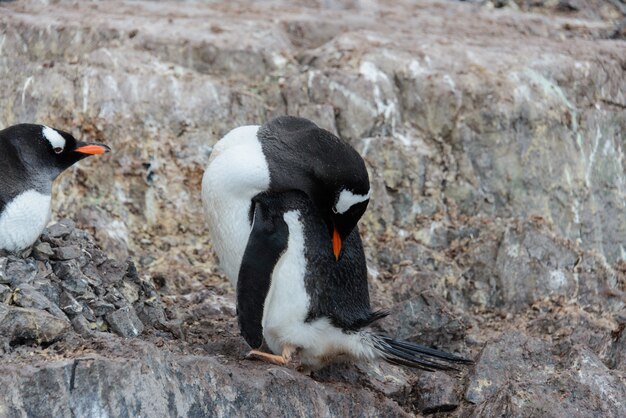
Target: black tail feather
418 356
412 347
400 357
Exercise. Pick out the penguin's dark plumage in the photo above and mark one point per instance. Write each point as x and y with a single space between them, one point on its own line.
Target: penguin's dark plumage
286 153
331 322
282 201
31 157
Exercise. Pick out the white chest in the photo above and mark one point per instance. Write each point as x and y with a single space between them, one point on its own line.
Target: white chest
23 220
237 172
287 306
287 303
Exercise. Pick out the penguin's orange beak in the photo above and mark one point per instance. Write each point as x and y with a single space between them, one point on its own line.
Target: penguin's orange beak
336 243
92 149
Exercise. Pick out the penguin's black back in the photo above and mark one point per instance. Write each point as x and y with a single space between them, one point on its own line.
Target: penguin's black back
301 155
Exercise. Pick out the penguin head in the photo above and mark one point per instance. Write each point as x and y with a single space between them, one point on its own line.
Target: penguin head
302 156
342 195
44 150
349 207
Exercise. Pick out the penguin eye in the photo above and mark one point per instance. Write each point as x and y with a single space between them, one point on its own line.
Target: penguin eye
58 150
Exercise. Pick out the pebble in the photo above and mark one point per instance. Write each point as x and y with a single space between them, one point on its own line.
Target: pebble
68 282
42 251
70 252
124 322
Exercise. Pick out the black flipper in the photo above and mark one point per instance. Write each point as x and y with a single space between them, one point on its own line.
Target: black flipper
415 355
267 241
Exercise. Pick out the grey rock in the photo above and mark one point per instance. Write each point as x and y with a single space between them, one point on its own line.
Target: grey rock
101 308
27 297
20 271
60 286
125 323
393 381
96 385
515 264
5 293
58 230
93 276
112 271
67 253
426 318
82 326
129 291
30 326
72 278
617 353
114 297
69 304
529 261
3 265
529 358
437 392
87 312
42 251
519 375
50 289
152 315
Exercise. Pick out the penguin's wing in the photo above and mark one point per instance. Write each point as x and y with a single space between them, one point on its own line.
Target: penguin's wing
267 241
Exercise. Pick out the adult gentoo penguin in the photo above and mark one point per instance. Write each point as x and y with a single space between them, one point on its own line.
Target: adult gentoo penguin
282 202
31 157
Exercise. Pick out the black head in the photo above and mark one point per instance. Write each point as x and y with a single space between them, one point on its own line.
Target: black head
46 152
302 156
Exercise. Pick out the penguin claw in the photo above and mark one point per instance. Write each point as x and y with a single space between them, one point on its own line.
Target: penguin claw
294 363
291 354
290 357
267 357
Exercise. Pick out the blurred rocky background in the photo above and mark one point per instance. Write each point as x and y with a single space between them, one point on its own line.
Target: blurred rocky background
494 135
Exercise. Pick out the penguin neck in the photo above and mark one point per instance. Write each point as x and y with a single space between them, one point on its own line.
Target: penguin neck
33 173
40 181
17 180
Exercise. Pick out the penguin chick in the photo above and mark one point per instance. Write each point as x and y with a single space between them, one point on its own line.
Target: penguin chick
31 157
294 295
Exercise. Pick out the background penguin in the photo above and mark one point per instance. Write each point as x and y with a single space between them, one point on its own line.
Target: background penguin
286 153
31 157
296 296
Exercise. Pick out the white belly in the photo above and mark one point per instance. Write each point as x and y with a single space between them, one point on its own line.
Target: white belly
237 172
287 305
23 220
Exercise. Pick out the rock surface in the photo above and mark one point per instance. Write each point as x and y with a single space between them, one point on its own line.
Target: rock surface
494 136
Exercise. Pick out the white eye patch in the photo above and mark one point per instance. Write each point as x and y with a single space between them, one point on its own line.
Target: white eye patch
347 199
54 138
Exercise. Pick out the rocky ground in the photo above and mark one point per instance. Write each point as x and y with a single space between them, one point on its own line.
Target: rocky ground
494 136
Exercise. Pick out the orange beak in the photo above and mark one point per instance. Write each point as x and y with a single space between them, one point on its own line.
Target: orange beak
92 149
336 243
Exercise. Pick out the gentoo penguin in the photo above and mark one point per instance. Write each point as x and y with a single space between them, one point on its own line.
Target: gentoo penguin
264 186
286 153
293 294
31 157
